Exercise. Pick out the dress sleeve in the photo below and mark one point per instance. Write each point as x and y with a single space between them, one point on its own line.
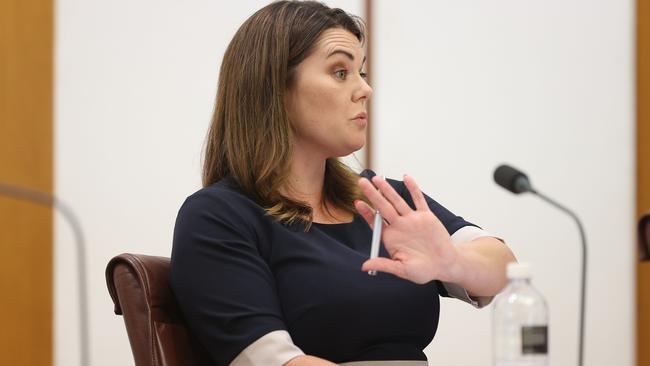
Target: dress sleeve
225 289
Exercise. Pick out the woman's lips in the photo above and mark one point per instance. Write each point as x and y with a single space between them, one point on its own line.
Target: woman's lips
361 118
363 115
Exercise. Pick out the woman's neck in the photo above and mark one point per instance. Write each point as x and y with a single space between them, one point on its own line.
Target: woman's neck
306 178
305 183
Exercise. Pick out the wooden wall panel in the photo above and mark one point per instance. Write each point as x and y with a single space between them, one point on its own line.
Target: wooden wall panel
643 174
26 41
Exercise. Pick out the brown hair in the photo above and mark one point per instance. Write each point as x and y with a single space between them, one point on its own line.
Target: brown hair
250 137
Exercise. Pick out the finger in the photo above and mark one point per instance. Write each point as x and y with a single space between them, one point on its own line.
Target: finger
416 193
366 212
384 265
389 192
378 200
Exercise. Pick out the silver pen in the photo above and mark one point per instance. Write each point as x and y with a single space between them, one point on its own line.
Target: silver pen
376 238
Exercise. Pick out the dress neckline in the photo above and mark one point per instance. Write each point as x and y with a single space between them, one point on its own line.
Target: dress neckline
322 224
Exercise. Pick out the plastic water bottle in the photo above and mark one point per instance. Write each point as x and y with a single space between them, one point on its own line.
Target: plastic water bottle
520 322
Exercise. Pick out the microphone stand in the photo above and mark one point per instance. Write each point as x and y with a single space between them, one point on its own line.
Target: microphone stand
48 200
584 268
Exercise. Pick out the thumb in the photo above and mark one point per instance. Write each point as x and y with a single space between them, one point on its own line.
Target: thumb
384 265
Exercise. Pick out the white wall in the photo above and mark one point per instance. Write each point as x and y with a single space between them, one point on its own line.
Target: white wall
459 87
462 86
135 87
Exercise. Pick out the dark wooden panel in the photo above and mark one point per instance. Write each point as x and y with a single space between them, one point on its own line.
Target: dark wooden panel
26 38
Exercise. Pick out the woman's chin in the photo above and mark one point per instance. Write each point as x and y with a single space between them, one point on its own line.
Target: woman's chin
360 144
352 148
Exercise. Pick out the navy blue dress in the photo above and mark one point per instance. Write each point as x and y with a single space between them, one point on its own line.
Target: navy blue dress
238 274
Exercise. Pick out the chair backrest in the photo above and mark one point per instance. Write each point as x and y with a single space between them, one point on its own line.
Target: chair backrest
140 290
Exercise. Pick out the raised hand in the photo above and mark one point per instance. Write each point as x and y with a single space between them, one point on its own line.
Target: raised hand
419 246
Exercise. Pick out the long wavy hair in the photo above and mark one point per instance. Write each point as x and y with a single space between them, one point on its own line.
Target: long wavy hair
250 136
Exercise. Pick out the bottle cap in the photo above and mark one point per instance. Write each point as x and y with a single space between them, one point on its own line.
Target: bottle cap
518 270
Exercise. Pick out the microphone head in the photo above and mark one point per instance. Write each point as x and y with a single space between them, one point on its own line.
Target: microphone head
512 179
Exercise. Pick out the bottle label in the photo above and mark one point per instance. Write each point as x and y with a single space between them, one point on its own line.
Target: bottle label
534 340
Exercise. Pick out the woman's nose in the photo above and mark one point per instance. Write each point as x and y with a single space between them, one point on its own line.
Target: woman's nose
364 91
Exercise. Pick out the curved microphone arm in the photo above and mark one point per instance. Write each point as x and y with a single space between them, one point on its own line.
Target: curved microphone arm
45 199
515 181
584 267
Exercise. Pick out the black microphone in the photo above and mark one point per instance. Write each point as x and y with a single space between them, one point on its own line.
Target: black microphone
512 179
517 182
46 199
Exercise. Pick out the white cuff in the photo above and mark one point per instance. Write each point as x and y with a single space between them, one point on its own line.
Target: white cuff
272 349
460 293
468 233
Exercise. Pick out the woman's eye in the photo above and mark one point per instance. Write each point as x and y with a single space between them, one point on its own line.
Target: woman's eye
364 75
341 74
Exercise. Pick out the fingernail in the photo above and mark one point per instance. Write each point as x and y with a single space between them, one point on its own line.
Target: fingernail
372 272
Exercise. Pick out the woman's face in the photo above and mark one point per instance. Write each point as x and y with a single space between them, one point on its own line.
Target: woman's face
327 100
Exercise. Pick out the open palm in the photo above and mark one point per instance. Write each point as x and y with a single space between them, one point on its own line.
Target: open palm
419 245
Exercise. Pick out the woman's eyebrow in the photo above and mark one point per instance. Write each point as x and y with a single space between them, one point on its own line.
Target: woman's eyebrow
347 54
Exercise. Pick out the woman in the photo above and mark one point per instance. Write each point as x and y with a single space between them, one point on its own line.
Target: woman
270 259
